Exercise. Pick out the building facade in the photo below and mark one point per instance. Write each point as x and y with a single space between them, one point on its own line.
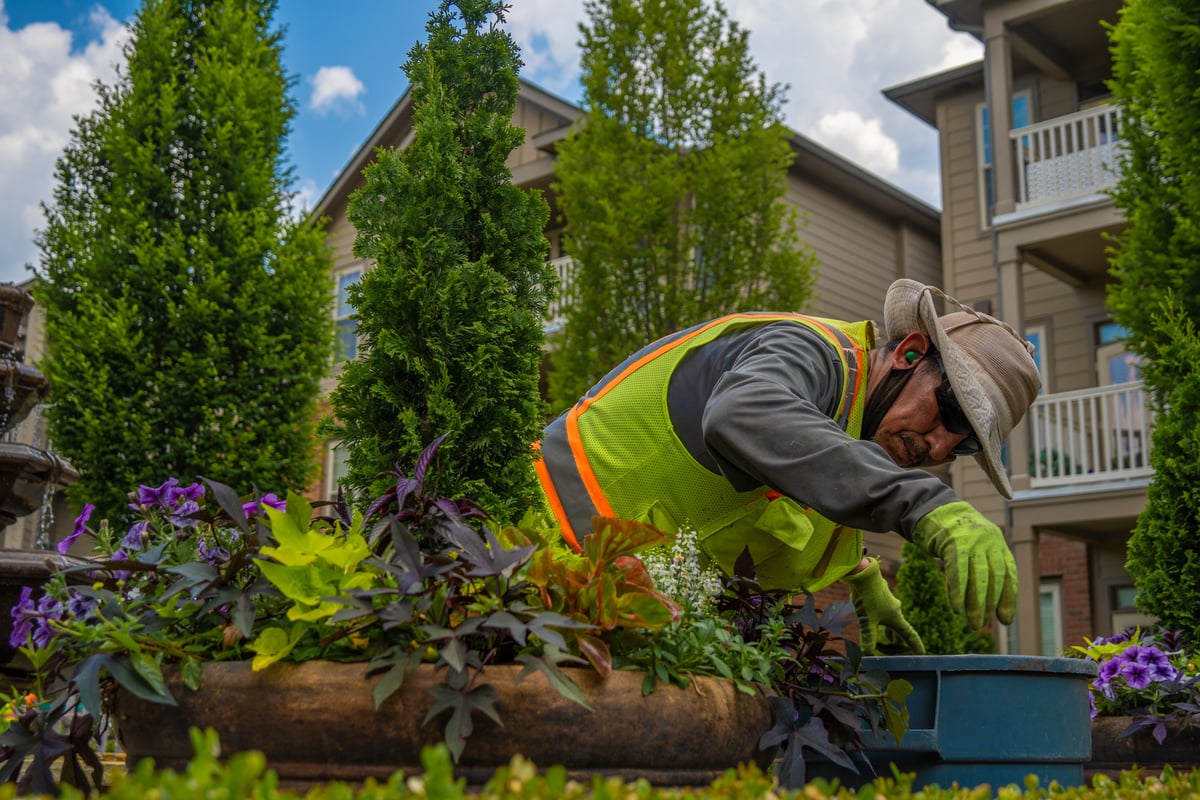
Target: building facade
1028 144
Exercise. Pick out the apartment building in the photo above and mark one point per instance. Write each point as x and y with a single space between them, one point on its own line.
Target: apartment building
1028 140
864 231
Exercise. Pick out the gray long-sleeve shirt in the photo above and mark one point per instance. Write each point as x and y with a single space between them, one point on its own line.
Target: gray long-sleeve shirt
757 405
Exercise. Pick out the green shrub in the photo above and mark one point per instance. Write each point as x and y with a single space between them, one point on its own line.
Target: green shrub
244 775
921 588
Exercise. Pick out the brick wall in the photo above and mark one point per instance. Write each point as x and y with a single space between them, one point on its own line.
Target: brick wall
1067 561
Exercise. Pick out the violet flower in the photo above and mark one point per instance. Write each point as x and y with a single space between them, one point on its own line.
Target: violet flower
269 499
80 526
34 618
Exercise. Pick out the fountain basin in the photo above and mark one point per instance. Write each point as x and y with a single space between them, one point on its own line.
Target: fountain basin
26 475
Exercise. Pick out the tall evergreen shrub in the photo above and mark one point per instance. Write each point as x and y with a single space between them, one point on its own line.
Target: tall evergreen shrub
1156 289
450 314
187 314
921 589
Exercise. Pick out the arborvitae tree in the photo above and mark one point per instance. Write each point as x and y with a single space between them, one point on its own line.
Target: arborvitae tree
450 316
187 314
921 589
1156 292
673 188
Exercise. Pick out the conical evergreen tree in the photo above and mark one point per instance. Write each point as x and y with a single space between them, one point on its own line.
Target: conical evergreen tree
450 316
187 315
1156 294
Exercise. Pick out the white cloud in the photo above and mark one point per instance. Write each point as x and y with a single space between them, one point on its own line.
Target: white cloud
304 197
336 89
42 84
547 32
836 56
861 140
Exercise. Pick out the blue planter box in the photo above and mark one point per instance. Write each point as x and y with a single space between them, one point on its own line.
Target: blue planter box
977 719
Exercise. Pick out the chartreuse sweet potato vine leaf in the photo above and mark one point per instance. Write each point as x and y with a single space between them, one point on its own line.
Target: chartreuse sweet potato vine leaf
273 644
313 562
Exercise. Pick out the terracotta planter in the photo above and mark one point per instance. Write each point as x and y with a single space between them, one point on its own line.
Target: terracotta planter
1112 754
317 722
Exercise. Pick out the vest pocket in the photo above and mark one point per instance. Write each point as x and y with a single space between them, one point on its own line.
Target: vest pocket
779 535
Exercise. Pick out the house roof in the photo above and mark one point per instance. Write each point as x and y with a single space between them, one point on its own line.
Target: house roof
811 158
919 97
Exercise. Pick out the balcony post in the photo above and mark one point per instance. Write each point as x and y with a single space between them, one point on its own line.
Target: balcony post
1024 538
998 78
1012 312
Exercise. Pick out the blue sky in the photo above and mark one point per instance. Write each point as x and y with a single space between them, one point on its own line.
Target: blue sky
346 58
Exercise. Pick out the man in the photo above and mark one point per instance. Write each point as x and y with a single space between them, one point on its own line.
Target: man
788 434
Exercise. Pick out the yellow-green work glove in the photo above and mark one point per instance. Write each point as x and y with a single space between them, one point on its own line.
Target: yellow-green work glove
879 615
981 575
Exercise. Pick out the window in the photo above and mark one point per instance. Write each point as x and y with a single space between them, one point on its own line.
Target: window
1035 333
1050 605
347 326
337 467
1021 116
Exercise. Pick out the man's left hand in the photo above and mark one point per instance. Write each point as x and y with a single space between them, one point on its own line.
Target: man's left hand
879 614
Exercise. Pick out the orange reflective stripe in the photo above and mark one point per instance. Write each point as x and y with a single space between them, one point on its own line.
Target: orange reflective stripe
834 335
586 473
556 506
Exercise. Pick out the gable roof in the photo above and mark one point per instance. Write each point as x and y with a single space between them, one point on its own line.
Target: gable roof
811 158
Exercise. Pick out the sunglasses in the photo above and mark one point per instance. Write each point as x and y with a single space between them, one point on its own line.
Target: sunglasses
953 418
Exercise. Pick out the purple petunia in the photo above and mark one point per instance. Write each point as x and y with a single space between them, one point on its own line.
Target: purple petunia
33 618
150 496
269 499
1136 674
80 526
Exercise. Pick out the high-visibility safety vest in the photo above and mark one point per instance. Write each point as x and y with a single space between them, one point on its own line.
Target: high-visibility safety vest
615 454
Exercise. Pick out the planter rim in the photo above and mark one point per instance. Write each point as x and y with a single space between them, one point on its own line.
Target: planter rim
983 663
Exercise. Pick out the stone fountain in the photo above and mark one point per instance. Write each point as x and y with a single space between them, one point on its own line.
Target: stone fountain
30 475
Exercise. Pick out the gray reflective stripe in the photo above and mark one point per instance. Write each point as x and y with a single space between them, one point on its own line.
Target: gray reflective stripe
564 474
850 353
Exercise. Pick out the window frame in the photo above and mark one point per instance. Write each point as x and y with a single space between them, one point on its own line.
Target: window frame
983 152
343 313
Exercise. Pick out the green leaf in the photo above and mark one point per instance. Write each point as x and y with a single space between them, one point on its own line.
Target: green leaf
192 670
273 644
148 669
130 679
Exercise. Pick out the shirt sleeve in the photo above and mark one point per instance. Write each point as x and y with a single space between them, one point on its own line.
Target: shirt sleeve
769 420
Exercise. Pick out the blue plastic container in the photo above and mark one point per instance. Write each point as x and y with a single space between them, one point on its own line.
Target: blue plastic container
977 719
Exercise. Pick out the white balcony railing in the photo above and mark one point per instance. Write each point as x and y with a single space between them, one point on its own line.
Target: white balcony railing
554 315
1067 157
1091 435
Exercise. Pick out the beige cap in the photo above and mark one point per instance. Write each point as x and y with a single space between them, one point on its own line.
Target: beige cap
990 366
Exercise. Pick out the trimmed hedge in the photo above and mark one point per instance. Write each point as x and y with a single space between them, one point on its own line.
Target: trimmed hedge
245 775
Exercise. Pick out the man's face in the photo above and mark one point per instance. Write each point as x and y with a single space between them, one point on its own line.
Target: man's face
914 430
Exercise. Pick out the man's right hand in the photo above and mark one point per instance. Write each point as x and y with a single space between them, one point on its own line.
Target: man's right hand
981 574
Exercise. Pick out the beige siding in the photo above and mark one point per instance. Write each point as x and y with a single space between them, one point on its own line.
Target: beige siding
859 252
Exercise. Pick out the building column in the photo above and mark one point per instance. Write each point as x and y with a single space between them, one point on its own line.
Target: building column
998 82
1024 538
1011 310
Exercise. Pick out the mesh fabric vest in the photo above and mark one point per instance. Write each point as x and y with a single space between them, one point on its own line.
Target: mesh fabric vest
615 454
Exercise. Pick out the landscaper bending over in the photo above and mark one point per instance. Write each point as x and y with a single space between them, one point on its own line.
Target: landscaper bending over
789 434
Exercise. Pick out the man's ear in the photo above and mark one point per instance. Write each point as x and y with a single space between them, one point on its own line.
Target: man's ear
910 351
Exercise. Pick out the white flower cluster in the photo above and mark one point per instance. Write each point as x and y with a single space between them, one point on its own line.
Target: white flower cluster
680 572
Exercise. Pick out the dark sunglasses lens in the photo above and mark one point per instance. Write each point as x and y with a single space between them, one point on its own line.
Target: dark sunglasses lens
956 421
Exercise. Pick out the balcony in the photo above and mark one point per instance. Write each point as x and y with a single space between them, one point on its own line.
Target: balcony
1066 158
1090 436
554 315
